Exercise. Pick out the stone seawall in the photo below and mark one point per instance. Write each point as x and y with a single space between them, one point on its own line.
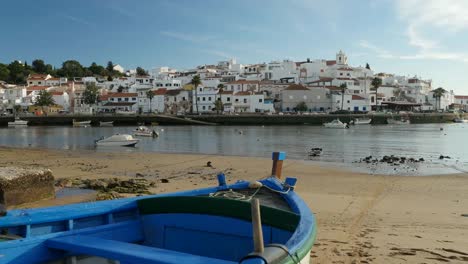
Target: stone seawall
243 119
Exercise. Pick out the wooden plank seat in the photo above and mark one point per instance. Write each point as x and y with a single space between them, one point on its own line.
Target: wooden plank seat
126 252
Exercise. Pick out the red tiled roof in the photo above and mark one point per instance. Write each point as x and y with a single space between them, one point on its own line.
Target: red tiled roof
37 76
345 69
323 79
357 97
104 97
123 94
226 92
243 82
296 87
53 79
331 62
56 93
119 103
461 97
161 91
242 93
347 79
36 88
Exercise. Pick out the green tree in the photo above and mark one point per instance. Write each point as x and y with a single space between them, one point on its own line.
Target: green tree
196 82
71 68
97 69
39 66
150 96
141 72
17 109
367 66
343 87
4 72
376 83
110 67
120 89
17 72
301 107
219 105
44 99
91 94
437 94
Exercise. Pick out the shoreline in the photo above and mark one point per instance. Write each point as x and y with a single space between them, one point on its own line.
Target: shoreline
360 217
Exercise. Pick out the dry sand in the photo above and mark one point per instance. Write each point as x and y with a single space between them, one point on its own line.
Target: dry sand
361 218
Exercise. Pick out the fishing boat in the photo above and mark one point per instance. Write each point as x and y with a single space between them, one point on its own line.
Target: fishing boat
118 140
336 124
106 124
145 132
18 122
460 120
361 121
81 123
392 121
256 222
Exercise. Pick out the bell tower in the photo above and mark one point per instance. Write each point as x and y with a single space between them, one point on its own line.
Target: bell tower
341 58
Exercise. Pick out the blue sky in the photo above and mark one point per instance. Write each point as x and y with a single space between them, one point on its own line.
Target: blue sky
428 38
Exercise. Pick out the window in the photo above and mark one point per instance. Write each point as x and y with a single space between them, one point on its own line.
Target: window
209 98
228 99
126 99
133 99
260 100
119 99
349 108
112 99
204 98
237 100
198 98
200 89
175 99
348 101
183 98
341 74
39 82
245 100
203 107
30 82
348 74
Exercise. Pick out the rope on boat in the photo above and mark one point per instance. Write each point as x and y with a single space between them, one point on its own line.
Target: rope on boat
230 194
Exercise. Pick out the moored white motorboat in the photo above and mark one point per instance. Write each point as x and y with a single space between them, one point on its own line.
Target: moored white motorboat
123 140
81 123
361 121
392 121
336 124
459 120
145 132
110 123
18 122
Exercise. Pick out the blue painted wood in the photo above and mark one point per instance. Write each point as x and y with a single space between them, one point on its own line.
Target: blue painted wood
281 155
126 252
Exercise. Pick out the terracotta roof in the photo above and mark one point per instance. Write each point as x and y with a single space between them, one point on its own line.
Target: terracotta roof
357 97
37 88
226 92
243 82
242 93
53 79
104 97
324 79
296 87
37 76
173 92
161 91
119 103
345 69
461 96
56 93
347 79
123 94
331 62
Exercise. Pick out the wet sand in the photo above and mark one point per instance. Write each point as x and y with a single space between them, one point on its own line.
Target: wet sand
361 218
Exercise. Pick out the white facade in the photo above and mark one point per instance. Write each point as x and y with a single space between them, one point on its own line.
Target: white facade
243 86
462 101
351 102
205 98
442 103
170 84
157 103
62 99
277 70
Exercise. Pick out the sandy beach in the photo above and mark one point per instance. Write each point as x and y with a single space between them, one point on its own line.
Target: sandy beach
361 218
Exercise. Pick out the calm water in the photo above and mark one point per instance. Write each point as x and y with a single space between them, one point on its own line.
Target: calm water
340 147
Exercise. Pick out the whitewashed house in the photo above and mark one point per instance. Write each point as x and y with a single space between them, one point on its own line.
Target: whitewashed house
62 99
442 103
462 101
157 103
113 102
205 98
38 79
351 102
56 81
242 86
178 102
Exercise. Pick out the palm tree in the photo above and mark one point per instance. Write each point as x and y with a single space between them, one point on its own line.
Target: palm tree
343 87
220 91
44 99
196 82
437 94
150 96
376 83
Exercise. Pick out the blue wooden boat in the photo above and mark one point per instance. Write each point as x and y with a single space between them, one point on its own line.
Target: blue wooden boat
211 225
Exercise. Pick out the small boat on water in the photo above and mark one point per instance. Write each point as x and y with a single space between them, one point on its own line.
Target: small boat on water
460 120
81 123
336 124
120 112
18 122
145 132
392 121
118 140
361 121
217 225
106 124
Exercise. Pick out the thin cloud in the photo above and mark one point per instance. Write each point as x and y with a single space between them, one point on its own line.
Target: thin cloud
382 53
77 20
121 11
187 37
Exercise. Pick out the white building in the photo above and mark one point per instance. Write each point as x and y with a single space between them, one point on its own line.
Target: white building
38 79
205 98
178 101
462 101
157 103
242 86
119 102
118 68
245 102
442 103
351 102
62 99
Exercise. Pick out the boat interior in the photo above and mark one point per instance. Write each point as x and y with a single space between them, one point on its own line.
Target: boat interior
203 228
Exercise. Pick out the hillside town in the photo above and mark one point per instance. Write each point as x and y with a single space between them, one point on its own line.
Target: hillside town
229 87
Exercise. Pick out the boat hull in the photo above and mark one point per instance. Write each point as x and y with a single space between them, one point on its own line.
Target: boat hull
397 122
82 123
16 123
190 227
130 143
106 124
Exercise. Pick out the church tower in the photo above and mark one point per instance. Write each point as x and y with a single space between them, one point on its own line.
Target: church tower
341 58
